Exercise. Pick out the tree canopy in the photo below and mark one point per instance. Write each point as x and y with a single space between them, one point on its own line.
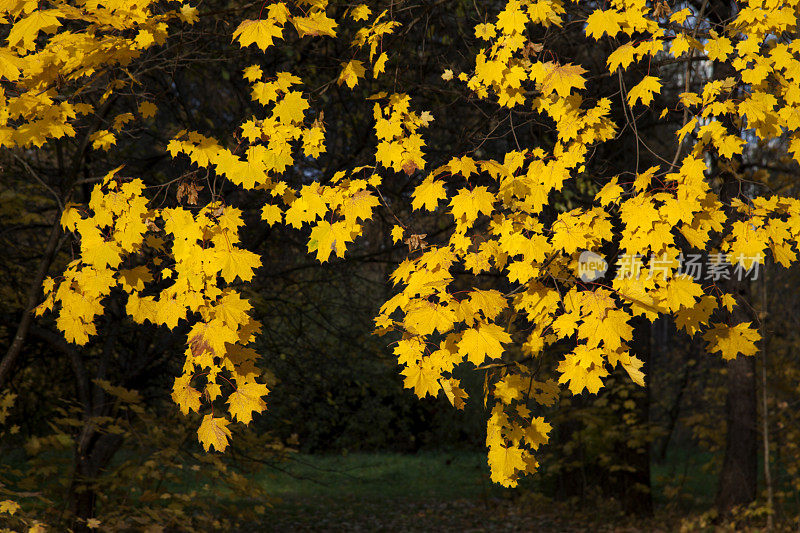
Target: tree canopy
551 174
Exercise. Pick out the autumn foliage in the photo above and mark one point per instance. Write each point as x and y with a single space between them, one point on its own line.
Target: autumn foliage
185 265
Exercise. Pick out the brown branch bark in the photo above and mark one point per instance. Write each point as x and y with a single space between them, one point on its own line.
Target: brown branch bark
11 356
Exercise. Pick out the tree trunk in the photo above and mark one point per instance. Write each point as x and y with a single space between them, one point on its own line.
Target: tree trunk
739 475
738 479
634 488
34 289
90 460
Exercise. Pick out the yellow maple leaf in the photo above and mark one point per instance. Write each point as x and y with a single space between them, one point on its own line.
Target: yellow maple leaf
468 204
569 233
102 139
512 19
323 240
504 462
9 506
351 71
583 369
9 65
291 108
134 279
454 393
509 389
422 377
485 340
426 317
621 57
308 207
644 90
614 329
489 302
486 32
728 301
360 12
463 165
252 73
317 23
236 262
633 368
681 292
610 193
25 30
213 433
730 341
208 339
188 14
246 400
680 16
121 119
186 396
380 64
602 22
258 32
428 193
272 214
360 206
147 109
562 79
70 216
397 234
170 310
718 48
643 179
232 309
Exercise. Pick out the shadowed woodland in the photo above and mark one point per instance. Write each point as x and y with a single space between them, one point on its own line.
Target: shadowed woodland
95 433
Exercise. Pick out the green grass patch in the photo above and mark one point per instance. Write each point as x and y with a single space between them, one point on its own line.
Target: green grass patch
376 477
684 480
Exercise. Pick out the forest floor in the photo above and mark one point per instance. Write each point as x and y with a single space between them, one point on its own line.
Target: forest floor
426 492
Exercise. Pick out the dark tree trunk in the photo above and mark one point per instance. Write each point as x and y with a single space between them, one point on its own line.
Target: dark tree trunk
738 479
91 458
633 485
739 475
570 481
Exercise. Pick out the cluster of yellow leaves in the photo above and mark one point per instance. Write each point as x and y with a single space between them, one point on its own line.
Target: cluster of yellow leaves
8 507
54 46
195 256
441 331
270 139
397 127
334 212
311 21
768 70
767 104
370 35
495 205
114 230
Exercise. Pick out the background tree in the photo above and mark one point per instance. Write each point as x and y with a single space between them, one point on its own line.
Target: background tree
190 176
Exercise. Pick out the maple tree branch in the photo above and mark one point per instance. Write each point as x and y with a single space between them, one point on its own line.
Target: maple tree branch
7 363
39 179
687 82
